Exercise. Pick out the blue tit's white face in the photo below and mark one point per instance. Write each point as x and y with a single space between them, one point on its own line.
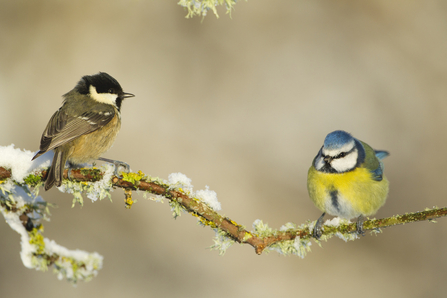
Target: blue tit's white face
337 156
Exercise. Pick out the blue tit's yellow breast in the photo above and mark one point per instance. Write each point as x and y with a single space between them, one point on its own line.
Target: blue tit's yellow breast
348 194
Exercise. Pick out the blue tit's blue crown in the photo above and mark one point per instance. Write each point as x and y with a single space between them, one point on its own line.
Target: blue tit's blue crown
337 139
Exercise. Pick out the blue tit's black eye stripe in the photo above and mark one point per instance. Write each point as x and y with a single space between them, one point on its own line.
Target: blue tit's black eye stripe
343 154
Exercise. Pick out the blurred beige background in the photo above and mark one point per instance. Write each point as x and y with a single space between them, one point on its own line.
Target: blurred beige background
242 105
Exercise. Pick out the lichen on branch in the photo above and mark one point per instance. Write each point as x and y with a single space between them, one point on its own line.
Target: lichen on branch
201 7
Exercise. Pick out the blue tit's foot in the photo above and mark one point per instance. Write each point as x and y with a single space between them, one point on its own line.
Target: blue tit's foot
317 232
360 220
118 164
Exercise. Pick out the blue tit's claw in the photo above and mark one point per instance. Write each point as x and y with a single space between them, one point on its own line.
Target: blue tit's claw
359 229
318 231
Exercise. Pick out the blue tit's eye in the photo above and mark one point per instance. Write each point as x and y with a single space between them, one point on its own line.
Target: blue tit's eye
341 155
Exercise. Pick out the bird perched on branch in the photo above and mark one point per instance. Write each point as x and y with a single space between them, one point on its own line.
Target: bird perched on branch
346 179
85 126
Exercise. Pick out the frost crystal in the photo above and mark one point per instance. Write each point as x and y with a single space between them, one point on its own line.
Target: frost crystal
209 197
179 180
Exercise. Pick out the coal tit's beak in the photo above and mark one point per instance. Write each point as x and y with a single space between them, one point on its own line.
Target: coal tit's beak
127 95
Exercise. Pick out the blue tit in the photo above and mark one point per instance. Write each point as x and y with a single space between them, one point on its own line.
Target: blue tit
346 179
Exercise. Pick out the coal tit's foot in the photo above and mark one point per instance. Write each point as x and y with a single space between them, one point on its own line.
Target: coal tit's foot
70 167
317 232
118 164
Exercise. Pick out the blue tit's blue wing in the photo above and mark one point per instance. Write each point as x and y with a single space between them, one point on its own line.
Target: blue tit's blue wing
377 174
373 161
381 154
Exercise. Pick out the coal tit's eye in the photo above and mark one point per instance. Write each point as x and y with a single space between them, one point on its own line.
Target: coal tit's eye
111 91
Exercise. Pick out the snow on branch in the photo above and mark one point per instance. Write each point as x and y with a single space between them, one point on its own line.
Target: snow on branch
24 212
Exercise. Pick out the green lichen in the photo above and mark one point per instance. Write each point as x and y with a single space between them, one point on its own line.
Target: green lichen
247 236
201 7
75 270
7 198
298 247
36 239
134 178
128 201
176 208
221 241
34 180
262 230
203 221
76 189
94 173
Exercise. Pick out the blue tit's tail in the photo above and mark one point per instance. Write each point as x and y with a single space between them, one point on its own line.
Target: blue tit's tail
381 154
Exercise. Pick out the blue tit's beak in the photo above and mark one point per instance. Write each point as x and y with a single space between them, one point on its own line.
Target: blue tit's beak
328 159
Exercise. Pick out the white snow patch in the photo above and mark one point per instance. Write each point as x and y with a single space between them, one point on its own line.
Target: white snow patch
336 221
12 218
179 180
210 197
19 161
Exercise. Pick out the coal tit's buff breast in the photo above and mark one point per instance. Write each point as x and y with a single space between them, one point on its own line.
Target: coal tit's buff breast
91 146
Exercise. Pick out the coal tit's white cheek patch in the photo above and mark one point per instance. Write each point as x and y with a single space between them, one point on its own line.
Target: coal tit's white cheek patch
107 98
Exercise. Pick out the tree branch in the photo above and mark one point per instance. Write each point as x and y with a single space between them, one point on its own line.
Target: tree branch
262 238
